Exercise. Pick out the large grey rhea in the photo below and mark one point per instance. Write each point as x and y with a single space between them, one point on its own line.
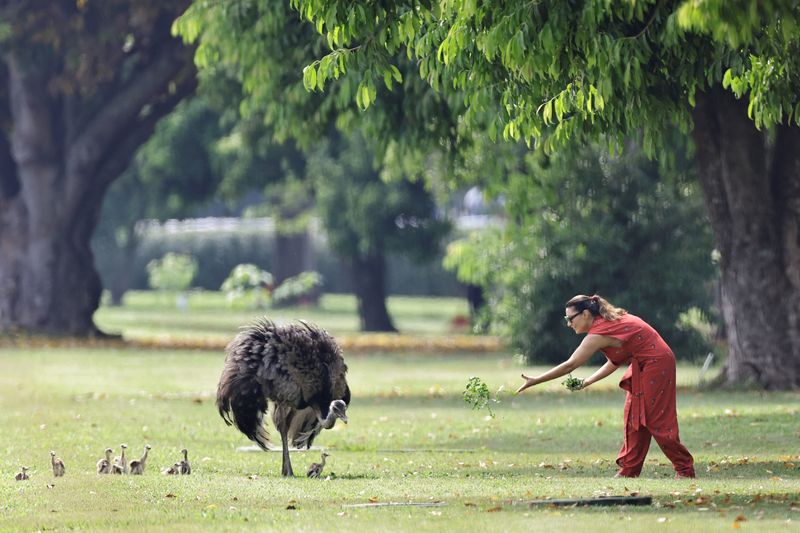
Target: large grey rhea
298 370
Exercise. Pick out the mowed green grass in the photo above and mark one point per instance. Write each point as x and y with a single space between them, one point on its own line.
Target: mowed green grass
411 439
148 314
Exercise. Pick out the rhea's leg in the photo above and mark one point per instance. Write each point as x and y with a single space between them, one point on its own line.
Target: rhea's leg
286 469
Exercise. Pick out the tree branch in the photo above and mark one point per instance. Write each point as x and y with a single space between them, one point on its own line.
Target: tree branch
646 24
117 160
122 110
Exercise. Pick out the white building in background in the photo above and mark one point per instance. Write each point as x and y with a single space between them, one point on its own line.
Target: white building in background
478 212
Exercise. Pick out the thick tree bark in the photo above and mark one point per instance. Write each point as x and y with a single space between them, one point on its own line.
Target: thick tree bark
369 273
62 167
752 192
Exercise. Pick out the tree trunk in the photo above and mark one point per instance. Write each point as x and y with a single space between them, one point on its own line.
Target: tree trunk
292 255
51 196
47 278
477 301
369 272
752 192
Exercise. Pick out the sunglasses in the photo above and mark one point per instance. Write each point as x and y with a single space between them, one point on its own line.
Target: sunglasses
569 319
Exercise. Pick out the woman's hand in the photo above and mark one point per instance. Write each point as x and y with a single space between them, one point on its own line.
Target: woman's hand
529 382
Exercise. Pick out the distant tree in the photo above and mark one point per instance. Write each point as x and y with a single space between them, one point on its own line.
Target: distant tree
254 161
82 85
365 217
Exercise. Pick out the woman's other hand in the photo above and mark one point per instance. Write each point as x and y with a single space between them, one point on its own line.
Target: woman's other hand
529 382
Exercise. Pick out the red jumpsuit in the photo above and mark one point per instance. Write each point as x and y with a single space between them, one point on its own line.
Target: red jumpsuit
650 399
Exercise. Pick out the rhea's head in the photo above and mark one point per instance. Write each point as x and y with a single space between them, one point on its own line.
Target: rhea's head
339 408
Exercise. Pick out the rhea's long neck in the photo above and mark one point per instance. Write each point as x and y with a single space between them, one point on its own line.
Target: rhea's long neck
329 421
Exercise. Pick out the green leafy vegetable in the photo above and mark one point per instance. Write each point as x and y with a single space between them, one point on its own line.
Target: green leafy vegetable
573 384
477 395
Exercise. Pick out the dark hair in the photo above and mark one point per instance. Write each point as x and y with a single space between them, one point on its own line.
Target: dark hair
596 305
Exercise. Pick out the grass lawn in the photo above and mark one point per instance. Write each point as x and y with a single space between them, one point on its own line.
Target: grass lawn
147 314
410 439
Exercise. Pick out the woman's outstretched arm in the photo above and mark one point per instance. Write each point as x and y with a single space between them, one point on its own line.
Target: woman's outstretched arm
602 372
590 344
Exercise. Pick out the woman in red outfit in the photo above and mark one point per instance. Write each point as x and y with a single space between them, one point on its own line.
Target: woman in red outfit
626 339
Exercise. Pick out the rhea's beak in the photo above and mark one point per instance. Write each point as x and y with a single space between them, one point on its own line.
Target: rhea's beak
344 418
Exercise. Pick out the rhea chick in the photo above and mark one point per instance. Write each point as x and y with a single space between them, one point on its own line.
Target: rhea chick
185 467
120 466
137 467
58 465
104 465
315 470
22 475
174 470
